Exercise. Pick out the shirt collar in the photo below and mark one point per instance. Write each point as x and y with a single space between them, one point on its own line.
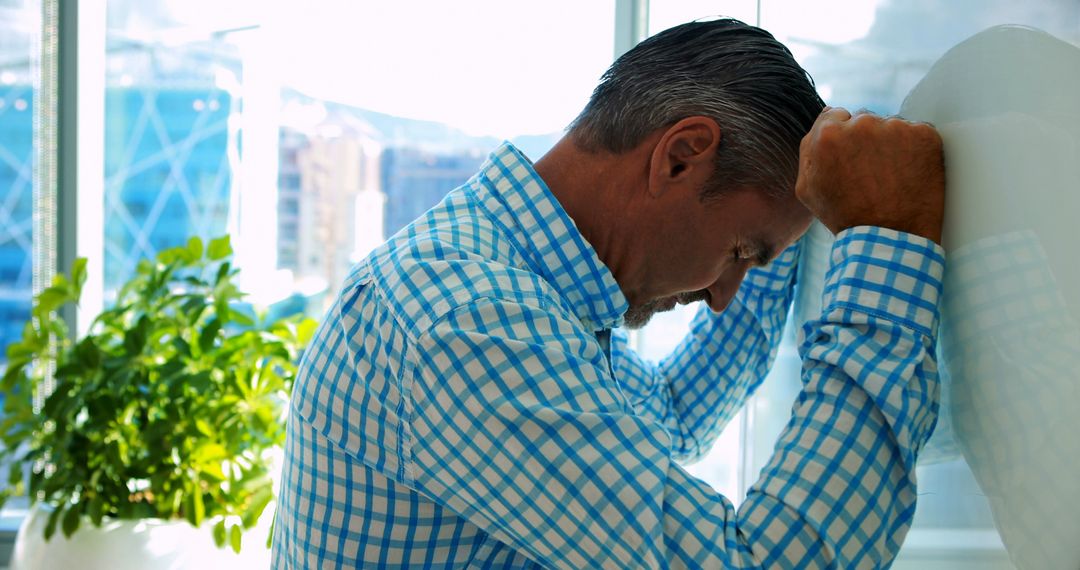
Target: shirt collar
548 239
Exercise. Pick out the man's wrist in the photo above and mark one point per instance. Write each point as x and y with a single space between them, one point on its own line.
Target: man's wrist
887 273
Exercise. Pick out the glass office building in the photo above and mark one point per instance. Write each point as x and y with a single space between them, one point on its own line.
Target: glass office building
16 175
167 171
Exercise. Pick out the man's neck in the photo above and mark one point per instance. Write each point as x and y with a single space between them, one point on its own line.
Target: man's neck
594 188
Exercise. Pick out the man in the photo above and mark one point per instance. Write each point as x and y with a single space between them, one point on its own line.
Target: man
466 403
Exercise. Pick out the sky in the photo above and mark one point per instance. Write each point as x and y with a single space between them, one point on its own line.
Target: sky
489 67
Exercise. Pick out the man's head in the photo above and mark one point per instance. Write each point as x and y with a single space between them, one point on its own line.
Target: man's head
687 159
736 74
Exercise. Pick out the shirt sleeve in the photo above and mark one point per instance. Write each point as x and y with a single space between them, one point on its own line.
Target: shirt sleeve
696 390
516 427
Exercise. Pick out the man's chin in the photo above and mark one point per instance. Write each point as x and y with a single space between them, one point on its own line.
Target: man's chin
634 319
637 317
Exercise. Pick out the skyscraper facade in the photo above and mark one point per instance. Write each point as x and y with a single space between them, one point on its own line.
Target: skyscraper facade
16 194
415 179
168 170
329 200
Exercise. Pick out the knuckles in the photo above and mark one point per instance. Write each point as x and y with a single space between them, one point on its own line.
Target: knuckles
827 137
864 122
929 134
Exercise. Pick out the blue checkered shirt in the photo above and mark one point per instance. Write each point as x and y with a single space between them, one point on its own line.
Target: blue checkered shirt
465 404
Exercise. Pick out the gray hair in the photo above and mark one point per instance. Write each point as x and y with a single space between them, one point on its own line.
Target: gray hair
738 75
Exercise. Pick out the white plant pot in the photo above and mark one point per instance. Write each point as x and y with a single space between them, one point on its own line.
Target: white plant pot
148 544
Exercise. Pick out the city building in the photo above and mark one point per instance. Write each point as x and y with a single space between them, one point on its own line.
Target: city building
16 194
415 179
168 171
348 178
330 203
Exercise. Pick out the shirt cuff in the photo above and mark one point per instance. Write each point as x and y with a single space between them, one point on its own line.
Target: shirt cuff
893 275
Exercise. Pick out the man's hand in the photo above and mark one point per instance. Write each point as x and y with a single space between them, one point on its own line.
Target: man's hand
866 170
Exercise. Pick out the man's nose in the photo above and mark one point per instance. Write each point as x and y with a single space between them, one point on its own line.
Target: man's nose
723 290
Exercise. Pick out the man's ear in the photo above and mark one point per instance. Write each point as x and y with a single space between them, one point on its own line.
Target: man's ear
684 155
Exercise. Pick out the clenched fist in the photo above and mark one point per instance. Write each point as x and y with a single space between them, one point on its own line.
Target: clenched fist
866 170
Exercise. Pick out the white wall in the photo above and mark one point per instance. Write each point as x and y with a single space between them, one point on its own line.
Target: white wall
1006 102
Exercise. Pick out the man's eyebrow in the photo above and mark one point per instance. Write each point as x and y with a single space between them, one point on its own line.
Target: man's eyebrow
765 251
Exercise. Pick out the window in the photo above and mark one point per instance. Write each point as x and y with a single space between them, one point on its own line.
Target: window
20 42
171 143
20 31
320 127
666 14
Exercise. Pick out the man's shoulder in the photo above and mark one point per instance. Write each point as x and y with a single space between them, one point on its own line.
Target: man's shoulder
436 268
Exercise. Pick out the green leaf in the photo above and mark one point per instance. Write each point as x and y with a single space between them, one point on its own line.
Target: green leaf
54 402
219 248
87 354
199 382
143 510
219 533
204 427
176 503
50 525
143 267
193 308
258 504
305 329
222 273
135 337
13 376
35 482
208 334
200 508
78 276
213 472
235 537
96 510
194 248
189 508
182 346
60 281
51 299
15 474
22 351
71 520
69 369
209 452
241 319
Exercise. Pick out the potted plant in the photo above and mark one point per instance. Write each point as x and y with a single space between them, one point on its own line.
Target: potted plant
169 410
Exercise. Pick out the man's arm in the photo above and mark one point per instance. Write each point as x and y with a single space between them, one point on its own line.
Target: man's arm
517 429
868 404
696 390
854 170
